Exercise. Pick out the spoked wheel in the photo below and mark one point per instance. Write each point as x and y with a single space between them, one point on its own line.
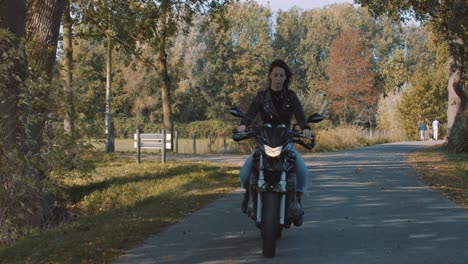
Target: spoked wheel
270 224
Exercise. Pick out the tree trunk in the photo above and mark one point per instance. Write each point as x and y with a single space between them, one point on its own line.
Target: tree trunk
43 19
109 125
39 22
42 32
165 86
457 112
68 122
163 72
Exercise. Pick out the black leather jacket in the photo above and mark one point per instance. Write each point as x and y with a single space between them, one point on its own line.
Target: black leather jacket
288 105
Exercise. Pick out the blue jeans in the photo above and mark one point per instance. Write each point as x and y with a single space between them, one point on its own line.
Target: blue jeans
300 168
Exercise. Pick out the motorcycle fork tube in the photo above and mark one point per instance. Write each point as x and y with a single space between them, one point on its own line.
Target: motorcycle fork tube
261 186
283 194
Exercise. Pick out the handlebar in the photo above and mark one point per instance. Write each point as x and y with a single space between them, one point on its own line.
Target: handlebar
305 145
296 134
239 136
251 132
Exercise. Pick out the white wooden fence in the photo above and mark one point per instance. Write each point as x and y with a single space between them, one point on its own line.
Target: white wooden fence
152 141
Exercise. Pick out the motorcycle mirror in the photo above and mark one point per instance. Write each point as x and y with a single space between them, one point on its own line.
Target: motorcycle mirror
315 118
235 111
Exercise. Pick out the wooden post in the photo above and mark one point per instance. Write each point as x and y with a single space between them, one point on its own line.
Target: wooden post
172 135
176 142
225 144
194 145
209 143
138 145
163 149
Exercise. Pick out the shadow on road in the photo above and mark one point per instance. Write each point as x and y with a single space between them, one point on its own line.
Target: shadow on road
364 206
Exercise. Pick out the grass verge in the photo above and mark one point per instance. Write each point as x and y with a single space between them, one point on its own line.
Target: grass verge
122 205
445 172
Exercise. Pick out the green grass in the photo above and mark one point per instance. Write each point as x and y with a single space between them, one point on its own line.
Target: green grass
122 205
445 172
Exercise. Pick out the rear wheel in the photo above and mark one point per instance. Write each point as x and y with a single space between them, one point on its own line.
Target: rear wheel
270 223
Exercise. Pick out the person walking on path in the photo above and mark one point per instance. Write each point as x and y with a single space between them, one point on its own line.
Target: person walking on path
435 128
422 130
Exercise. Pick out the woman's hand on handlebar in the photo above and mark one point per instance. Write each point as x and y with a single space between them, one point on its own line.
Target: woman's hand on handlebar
241 128
307 133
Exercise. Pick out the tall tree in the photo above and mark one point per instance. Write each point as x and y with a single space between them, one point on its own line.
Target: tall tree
420 101
189 71
112 22
393 71
13 75
110 139
67 58
350 78
43 20
23 174
289 34
448 20
251 28
89 83
159 24
321 27
42 33
217 68
237 59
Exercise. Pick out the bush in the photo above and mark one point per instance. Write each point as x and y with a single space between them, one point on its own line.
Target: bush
39 151
126 127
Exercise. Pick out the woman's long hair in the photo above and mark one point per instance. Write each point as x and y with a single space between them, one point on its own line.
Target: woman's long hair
282 64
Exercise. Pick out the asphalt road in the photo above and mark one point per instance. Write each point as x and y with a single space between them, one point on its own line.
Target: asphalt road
364 206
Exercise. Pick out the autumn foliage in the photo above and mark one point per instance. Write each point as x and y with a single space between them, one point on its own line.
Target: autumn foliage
351 79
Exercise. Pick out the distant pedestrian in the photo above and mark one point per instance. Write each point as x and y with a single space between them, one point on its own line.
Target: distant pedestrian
435 128
422 130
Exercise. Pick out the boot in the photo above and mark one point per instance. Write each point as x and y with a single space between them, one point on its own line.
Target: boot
245 201
298 212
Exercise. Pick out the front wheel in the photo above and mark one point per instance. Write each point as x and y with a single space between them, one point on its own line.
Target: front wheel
270 225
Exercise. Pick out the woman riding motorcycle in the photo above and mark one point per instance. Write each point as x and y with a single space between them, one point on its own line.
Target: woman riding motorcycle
277 105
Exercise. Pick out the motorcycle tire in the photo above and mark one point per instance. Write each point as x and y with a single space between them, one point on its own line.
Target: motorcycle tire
270 223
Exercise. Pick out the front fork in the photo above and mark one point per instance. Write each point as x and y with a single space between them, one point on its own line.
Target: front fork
262 188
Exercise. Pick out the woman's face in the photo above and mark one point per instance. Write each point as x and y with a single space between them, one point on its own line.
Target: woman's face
277 77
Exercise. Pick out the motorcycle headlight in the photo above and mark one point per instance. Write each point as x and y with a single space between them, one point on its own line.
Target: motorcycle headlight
273 152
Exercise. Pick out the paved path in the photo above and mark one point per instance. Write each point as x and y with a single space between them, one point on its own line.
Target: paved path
364 206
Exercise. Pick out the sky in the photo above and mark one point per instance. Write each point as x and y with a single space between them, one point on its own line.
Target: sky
285 5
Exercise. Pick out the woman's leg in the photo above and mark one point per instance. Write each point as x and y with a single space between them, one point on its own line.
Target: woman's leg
244 173
302 173
302 176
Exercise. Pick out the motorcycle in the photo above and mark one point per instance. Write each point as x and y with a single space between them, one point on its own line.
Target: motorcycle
272 201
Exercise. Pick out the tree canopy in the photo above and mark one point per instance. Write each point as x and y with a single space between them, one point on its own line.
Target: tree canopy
448 21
